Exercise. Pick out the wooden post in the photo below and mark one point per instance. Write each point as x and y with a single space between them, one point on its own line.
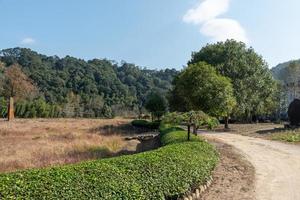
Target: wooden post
189 132
11 114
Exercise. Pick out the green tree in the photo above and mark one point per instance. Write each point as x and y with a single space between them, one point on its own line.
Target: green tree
3 107
107 112
195 119
201 87
254 86
73 108
156 104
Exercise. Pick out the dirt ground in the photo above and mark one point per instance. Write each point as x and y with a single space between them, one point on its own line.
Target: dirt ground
268 131
35 143
233 178
277 165
261 130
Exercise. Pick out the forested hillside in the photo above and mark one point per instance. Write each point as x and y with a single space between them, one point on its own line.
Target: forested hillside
72 87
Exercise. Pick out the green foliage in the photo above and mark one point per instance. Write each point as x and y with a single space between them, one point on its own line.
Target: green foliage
201 87
107 112
173 118
178 136
212 123
156 104
165 173
31 109
95 88
37 108
193 118
3 107
253 84
292 136
145 124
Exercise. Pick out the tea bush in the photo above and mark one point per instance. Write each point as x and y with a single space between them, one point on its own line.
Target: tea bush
165 173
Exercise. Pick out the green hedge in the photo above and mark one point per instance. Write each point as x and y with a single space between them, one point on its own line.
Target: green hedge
178 135
165 173
146 124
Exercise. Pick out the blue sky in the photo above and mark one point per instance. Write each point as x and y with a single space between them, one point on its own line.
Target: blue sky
152 33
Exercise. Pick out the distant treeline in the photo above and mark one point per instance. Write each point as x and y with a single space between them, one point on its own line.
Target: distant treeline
71 87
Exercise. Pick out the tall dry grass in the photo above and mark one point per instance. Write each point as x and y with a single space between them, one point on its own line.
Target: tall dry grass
35 143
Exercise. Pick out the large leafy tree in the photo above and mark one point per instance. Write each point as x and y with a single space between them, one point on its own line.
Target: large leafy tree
201 87
254 86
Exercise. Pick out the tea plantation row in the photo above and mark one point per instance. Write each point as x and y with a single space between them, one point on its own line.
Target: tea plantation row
165 173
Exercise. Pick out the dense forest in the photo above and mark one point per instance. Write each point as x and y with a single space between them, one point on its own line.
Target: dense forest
72 87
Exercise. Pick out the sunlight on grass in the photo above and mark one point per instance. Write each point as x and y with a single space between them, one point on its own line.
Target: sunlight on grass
288 136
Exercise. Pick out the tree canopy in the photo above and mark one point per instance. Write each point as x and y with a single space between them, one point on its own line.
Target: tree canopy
156 104
253 84
201 87
94 88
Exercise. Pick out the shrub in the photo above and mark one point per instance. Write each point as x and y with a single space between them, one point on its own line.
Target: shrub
146 124
165 173
172 135
212 123
294 112
288 136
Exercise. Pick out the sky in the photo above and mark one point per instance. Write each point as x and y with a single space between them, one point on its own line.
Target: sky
156 34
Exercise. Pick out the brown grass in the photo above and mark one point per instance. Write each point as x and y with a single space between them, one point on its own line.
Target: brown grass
32 143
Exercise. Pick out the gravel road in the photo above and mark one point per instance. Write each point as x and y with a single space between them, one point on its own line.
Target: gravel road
277 165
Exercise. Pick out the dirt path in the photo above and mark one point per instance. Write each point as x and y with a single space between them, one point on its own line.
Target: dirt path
277 165
233 177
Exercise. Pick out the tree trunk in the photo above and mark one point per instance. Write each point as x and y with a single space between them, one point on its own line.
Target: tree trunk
140 113
189 132
227 122
11 114
195 130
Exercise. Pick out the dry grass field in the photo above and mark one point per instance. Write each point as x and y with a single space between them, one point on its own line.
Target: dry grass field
32 143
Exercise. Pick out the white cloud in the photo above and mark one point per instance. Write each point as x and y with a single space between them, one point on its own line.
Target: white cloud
28 40
206 13
223 29
206 10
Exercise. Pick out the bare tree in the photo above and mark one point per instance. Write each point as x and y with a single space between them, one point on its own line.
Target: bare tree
17 86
